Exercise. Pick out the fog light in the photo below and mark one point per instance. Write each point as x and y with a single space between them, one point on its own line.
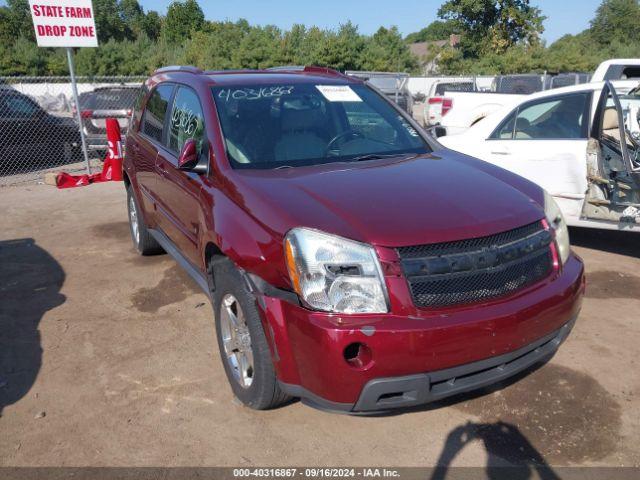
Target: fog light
358 355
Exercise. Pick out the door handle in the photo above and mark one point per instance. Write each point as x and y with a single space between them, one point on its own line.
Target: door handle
500 152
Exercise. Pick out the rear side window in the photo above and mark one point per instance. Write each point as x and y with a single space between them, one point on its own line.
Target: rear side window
156 111
563 117
187 120
442 88
518 84
631 72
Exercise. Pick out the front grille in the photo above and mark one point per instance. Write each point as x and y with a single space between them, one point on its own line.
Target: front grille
478 269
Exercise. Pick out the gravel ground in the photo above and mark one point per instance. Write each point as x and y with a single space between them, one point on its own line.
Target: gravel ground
109 359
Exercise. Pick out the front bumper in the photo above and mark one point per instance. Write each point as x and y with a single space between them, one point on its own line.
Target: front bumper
420 356
408 391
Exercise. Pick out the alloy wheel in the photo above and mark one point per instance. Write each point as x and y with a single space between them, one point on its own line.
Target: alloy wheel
236 339
133 219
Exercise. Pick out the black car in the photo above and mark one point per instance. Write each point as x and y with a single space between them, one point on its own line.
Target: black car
32 139
102 103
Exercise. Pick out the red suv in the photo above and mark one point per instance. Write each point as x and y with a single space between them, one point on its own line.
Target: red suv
351 260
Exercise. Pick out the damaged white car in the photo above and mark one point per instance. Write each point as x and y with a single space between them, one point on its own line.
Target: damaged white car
581 144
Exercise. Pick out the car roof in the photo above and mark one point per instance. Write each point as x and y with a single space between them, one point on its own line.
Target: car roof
280 77
293 75
601 70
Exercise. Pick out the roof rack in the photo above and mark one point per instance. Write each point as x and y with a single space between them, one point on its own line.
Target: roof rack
306 68
287 68
283 68
178 68
231 72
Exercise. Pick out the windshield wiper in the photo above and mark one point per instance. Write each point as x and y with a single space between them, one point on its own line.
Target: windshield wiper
377 156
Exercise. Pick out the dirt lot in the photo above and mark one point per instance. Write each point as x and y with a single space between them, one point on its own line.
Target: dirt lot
107 358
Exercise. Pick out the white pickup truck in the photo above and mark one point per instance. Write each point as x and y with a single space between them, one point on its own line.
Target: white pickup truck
468 108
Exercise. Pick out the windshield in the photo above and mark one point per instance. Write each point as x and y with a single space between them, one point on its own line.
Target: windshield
288 125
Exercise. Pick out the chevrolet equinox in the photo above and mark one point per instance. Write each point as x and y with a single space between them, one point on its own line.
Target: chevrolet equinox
351 260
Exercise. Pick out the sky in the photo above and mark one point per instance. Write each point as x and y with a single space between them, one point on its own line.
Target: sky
563 16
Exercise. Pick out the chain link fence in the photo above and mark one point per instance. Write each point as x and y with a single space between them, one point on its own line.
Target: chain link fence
522 84
39 131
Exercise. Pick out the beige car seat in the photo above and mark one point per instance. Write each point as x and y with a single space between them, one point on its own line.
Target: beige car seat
299 140
610 124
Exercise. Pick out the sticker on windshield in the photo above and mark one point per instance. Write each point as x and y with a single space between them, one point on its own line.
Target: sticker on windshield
338 93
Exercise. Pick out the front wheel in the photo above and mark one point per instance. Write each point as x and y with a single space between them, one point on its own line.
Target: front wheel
242 342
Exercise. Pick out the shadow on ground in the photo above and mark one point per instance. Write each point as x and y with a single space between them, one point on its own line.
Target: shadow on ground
612 241
502 442
30 283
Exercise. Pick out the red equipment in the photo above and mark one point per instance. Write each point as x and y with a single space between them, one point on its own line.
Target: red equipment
112 168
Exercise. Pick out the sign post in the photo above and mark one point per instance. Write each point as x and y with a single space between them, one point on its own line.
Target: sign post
74 89
66 23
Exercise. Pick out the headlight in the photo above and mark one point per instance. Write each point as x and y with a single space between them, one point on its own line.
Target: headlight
334 274
557 223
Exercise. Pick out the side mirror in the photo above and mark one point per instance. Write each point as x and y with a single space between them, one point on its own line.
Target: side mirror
188 158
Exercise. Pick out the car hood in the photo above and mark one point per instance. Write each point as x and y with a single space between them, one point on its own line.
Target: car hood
438 197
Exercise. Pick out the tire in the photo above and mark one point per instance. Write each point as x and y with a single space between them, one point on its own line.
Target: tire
253 380
143 242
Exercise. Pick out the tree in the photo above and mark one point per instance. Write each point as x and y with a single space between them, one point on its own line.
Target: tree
132 15
386 51
313 46
616 21
109 21
341 49
182 19
504 23
292 45
260 48
15 21
152 24
437 30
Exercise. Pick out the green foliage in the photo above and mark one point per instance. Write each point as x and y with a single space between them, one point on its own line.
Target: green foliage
182 19
616 21
24 57
135 42
515 48
387 51
437 30
493 25
109 19
151 24
210 49
15 21
498 36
